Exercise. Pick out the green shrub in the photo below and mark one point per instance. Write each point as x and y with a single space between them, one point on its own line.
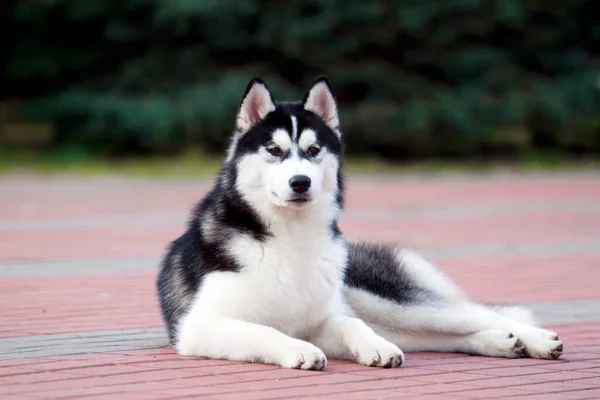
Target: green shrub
414 78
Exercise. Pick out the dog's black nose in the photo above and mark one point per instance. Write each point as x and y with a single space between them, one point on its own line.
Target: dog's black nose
300 183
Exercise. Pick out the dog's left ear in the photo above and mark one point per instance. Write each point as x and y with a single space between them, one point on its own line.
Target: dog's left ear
320 101
256 103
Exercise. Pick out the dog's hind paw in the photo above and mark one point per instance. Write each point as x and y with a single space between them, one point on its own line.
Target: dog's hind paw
546 350
498 343
540 343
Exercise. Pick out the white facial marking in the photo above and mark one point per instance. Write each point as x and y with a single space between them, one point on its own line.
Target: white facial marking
282 139
294 128
307 138
279 175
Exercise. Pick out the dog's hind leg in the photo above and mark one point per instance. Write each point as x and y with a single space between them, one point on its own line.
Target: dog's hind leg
462 324
400 291
518 313
491 343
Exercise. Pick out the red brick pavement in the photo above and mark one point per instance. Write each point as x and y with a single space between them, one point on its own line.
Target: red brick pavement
89 302
161 374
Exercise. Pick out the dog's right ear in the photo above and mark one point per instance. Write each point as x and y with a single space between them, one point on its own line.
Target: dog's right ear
320 101
257 102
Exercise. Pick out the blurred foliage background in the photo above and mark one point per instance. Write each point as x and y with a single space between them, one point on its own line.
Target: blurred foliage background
414 78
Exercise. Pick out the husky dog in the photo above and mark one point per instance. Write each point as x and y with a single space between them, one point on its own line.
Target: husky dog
263 274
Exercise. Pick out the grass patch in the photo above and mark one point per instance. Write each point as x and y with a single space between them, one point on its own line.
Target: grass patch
79 162
195 163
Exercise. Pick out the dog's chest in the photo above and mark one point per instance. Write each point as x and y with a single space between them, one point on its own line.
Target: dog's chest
284 283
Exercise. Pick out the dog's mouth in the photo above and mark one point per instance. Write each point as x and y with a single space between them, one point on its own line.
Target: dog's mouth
299 200
296 201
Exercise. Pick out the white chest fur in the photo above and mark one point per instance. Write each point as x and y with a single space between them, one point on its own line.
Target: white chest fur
290 282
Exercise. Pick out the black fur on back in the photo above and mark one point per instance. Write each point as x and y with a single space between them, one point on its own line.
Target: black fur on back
376 268
224 213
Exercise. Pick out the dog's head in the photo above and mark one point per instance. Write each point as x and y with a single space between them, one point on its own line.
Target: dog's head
287 155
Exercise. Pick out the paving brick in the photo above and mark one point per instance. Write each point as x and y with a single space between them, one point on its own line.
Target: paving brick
108 370
16 397
259 383
86 391
406 386
554 387
128 396
591 394
537 373
22 363
541 368
392 395
66 365
523 380
35 377
6 371
405 372
492 393
422 376
579 395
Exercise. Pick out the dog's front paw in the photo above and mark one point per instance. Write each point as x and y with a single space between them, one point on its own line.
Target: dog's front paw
304 355
379 353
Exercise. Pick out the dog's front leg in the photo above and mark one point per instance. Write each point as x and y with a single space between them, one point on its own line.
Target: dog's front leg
347 337
231 339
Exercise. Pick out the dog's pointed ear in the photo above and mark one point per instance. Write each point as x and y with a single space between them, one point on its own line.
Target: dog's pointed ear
320 101
256 103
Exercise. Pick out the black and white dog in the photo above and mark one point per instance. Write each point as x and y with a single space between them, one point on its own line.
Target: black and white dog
263 274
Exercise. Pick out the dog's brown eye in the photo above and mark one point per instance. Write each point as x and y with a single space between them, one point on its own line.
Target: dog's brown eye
275 151
313 151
